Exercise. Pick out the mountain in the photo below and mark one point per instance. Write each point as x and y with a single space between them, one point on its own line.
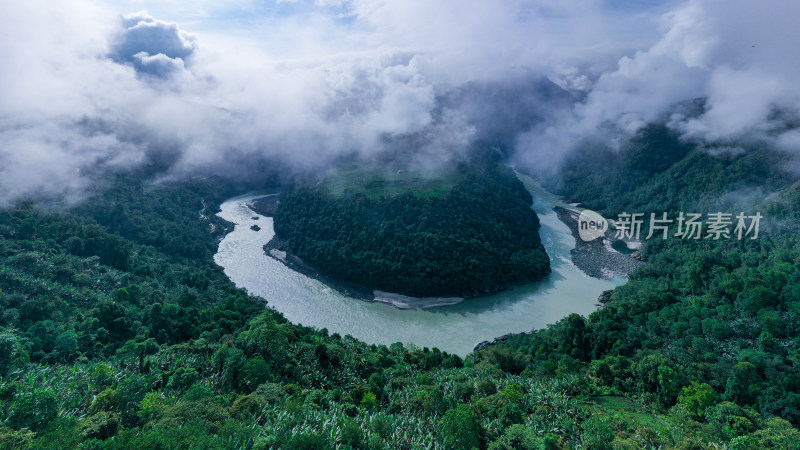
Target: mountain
500 110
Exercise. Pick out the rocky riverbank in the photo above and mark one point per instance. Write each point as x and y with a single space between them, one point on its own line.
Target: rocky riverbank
496 341
598 258
278 249
266 205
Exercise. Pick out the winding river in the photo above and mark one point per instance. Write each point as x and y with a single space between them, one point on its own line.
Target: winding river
455 328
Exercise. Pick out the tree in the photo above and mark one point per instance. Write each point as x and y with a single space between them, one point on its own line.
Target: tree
731 420
308 441
254 373
10 350
460 429
597 435
655 375
352 434
228 361
522 437
182 378
696 398
66 347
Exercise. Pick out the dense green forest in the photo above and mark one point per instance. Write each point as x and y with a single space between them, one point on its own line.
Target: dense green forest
709 325
472 234
119 331
114 337
657 172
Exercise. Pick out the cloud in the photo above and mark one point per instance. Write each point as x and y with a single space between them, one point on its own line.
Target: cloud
79 101
52 80
158 65
731 54
153 47
89 89
734 55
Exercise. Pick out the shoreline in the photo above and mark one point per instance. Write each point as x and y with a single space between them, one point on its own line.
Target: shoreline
457 328
277 249
596 259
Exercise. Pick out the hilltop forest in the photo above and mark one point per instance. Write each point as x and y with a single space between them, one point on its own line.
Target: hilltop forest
470 233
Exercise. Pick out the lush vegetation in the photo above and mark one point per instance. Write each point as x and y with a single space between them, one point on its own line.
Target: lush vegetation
707 329
656 172
475 235
118 340
119 331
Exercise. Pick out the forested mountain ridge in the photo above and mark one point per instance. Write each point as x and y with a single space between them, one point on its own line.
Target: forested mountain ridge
470 233
592 205
656 171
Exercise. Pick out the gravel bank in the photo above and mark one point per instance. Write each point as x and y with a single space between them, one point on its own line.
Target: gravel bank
597 258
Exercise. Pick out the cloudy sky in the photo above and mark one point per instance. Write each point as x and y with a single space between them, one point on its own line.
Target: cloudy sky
88 87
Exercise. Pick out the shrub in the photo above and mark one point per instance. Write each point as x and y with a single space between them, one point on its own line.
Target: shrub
308 441
33 409
597 435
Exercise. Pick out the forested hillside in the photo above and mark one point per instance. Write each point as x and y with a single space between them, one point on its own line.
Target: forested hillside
707 327
468 234
657 172
372 154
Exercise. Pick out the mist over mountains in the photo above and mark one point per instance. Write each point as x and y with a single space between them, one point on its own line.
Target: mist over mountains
90 88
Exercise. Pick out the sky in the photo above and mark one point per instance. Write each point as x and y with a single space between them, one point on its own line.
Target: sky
89 87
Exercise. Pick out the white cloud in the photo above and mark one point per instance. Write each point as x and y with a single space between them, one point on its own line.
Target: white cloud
153 47
87 87
735 55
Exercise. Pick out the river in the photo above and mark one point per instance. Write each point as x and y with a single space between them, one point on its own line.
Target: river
455 328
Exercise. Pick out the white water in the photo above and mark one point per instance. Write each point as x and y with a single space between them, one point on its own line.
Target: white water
456 328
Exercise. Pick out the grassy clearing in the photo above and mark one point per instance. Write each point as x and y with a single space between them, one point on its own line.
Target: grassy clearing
630 417
375 182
